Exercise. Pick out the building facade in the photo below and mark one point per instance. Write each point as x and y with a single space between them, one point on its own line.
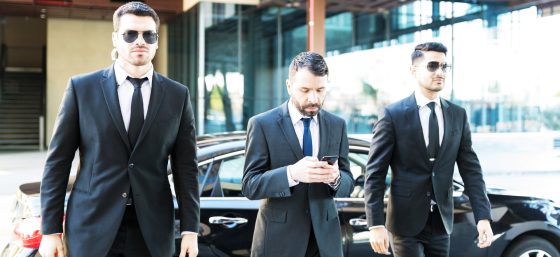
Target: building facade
235 57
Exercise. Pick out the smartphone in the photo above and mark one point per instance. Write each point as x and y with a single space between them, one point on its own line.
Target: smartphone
330 159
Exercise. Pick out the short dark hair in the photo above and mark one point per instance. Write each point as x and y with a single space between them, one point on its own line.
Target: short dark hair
135 8
425 47
311 61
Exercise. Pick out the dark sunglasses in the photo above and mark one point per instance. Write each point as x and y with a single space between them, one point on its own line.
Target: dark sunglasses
130 36
434 66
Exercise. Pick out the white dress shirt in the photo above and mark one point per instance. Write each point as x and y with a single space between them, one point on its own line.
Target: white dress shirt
125 89
424 112
296 116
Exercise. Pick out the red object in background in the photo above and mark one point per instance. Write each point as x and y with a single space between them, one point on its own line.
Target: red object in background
54 2
27 232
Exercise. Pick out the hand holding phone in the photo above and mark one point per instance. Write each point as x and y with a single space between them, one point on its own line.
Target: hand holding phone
330 159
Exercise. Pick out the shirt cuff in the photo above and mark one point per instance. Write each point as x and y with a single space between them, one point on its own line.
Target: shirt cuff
291 182
336 183
188 233
373 227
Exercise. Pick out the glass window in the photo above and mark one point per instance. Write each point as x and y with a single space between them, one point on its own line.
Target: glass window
206 179
231 173
358 163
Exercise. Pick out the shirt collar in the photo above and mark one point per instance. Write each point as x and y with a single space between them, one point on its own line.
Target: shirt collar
121 74
295 115
422 101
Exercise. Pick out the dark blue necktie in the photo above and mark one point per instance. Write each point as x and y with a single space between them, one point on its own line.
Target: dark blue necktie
136 111
433 132
307 143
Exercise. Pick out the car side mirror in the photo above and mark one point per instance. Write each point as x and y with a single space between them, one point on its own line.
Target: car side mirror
358 191
457 191
360 180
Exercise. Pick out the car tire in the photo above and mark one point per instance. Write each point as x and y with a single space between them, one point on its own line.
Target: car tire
532 246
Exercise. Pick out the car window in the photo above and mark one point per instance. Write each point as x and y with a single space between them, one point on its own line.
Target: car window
206 178
358 162
231 172
209 185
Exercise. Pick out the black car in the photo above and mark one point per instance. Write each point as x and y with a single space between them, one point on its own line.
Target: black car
523 226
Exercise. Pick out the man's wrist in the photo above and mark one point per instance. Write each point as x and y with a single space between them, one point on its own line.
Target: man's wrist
374 227
336 181
188 233
291 181
53 234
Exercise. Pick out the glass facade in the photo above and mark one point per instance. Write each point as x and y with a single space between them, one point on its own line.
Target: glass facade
243 60
235 59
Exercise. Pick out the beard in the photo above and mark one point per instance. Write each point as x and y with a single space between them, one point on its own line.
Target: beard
140 60
301 108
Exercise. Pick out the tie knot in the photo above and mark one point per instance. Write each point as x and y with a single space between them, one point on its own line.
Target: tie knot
306 122
137 83
432 105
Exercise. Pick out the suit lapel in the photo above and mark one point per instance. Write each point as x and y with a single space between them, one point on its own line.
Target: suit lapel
323 134
413 119
109 87
285 124
156 97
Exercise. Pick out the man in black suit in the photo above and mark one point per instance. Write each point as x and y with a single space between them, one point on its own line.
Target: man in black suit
298 216
126 120
421 138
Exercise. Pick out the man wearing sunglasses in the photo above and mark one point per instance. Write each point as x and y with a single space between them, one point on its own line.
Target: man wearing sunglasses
126 120
421 138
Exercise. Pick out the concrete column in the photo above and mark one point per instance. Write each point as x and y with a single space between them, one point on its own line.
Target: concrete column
316 10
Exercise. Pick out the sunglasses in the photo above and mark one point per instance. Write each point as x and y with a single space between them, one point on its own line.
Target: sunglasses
130 36
434 66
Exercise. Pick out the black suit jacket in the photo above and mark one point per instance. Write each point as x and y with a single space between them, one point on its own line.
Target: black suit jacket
90 120
398 142
287 213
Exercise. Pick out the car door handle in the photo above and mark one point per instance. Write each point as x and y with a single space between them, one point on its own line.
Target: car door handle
227 221
358 222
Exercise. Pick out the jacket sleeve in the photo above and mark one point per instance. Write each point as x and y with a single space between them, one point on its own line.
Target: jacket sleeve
346 185
259 181
185 170
471 173
379 159
65 141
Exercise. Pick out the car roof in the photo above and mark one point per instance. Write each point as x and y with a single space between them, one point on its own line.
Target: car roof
212 145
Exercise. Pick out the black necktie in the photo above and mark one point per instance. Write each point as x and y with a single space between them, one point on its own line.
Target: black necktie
307 143
433 133
136 111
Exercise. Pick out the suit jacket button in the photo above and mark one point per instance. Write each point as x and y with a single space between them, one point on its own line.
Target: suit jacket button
124 195
130 166
428 193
